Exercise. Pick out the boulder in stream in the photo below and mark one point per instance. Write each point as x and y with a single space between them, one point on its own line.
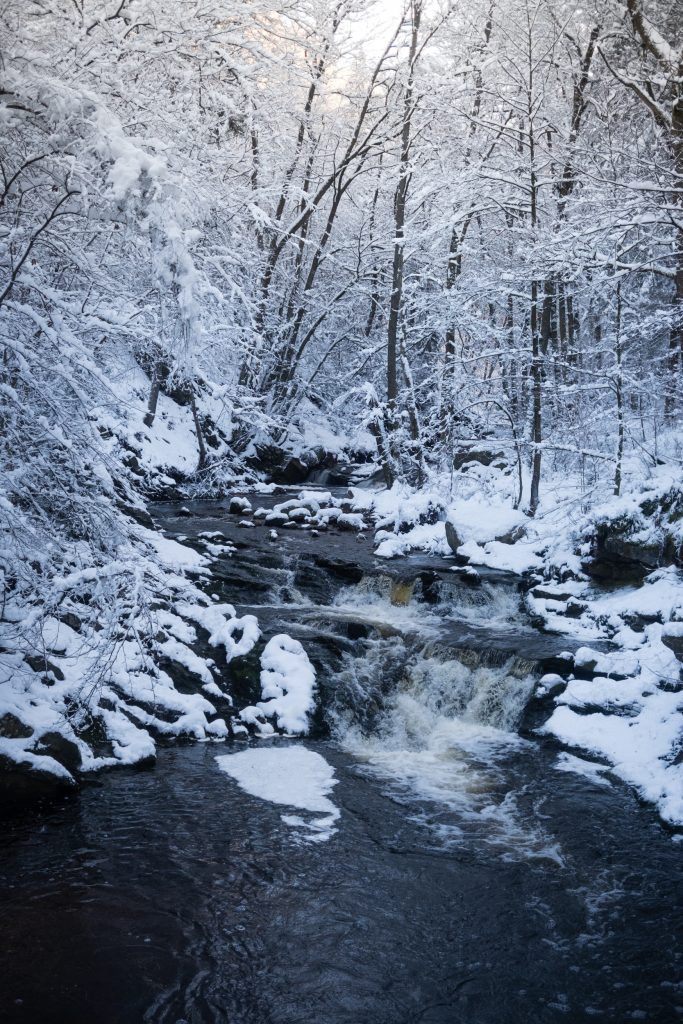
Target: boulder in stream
277 518
61 749
22 783
482 456
285 467
454 541
13 728
516 533
239 506
452 537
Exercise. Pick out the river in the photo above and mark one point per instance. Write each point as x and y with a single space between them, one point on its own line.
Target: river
469 877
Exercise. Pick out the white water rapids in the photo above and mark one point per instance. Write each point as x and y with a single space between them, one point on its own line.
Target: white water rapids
439 732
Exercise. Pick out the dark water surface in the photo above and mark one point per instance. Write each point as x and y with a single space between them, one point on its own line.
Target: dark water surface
170 895
469 881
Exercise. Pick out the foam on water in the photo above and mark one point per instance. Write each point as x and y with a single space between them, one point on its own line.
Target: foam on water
370 601
436 598
442 732
493 603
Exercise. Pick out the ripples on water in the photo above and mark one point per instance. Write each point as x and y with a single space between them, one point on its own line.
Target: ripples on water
468 880
172 895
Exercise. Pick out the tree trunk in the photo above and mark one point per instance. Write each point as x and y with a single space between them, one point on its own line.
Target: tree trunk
200 438
537 400
152 401
400 203
619 389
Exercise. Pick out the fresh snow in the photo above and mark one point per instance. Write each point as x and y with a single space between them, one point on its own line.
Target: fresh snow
287 687
424 537
638 746
482 521
518 557
222 624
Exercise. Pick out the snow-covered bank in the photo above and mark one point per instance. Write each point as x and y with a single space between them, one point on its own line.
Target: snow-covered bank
78 692
626 705
107 632
118 657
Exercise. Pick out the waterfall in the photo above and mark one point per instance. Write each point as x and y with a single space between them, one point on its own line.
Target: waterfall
442 732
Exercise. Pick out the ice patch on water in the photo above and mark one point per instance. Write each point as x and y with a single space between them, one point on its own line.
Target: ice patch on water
579 766
292 776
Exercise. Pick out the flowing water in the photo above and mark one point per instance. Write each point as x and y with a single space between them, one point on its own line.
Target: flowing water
469 876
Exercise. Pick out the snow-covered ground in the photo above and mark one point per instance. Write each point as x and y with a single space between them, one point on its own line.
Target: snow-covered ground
69 705
91 642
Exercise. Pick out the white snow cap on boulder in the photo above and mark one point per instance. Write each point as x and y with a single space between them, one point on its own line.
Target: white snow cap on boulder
482 521
287 686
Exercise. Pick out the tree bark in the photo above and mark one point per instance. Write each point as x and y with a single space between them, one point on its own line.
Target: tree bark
400 204
152 401
619 391
200 437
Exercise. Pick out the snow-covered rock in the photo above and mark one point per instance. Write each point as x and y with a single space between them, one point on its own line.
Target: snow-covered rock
287 687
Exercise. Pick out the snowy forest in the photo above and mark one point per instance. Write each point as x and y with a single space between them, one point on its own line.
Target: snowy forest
385 291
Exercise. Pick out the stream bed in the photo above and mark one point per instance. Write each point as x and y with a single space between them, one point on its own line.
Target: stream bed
474 872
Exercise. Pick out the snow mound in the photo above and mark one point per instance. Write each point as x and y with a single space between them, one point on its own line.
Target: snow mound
482 521
633 721
287 687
